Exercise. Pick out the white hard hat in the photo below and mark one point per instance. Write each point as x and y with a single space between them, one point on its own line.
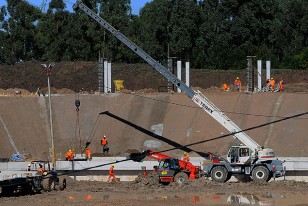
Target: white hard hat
29 165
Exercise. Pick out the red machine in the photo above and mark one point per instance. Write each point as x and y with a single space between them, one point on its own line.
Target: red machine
169 169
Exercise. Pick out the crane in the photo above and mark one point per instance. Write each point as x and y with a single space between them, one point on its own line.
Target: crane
247 159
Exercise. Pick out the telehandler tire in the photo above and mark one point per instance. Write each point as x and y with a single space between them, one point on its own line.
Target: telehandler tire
62 183
219 174
180 178
260 174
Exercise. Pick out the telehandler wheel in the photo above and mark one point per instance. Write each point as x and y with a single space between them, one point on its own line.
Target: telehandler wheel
62 183
219 174
180 178
49 183
260 174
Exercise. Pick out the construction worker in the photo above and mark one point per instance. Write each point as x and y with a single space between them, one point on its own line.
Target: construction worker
88 153
69 155
281 86
29 167
225 87
111 174
272 84
40 169
104 143
186 157
238 84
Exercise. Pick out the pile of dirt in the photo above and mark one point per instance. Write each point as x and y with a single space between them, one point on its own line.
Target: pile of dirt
140 78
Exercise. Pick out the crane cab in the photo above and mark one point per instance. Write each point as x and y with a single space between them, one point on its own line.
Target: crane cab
239 155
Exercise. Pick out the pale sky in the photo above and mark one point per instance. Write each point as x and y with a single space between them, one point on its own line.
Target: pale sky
136 4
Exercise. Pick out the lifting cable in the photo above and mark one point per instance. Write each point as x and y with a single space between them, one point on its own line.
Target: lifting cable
89 138
77 128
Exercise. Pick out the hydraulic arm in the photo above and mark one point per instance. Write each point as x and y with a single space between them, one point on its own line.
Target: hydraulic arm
195 96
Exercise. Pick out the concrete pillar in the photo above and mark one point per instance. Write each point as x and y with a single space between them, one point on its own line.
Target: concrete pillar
250 74
179 72
105 76
187 68
109 76
259 75
101 76
268 70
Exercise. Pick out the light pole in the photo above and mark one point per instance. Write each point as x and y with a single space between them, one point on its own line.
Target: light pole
48 72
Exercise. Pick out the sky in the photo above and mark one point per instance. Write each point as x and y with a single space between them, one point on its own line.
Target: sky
136 4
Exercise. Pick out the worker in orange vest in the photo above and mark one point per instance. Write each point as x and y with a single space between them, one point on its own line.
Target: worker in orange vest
225 87
104 143
272 84
281 86
186 157
111 174
40 169
69 155
238 84
88 153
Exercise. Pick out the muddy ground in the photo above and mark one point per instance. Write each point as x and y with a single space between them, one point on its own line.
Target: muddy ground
147 191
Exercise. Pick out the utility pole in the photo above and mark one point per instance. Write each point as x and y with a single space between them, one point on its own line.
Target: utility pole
48 72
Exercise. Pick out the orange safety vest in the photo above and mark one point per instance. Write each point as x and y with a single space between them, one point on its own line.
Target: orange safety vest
88 152
225 87
111 171
40 169
281 87
104 141
237 82
272 83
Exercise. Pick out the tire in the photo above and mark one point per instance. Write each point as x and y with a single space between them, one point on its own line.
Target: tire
180 178
46 185
219 174
260 174
62 183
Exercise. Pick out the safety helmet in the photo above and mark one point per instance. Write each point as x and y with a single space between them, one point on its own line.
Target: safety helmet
104 136
272 78
237 78
185 153
29 165
73 150
69 150
112 165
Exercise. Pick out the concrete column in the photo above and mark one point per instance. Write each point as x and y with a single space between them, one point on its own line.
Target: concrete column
268 70
179 72
187 68
109 76
105 76
101 76
259 75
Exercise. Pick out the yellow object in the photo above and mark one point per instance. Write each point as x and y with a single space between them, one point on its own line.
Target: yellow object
237 78
112 165
118 85
185 153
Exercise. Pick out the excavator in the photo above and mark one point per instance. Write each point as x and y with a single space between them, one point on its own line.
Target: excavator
169 169
247 159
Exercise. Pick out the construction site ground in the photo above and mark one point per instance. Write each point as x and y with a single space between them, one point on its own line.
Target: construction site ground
130 119
147 191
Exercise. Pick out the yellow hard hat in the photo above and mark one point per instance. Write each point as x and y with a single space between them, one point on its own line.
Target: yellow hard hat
185 153
73 150
237 78
69 150
112 165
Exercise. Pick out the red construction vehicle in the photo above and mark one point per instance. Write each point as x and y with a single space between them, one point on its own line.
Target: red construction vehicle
169 169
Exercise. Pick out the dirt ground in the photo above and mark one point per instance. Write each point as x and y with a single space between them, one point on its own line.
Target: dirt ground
147 191
70 77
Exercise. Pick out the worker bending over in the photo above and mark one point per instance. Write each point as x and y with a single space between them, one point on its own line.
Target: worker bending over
111 174
69 155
